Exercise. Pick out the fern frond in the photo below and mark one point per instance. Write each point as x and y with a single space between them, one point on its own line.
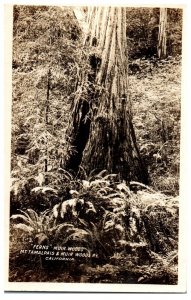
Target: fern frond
90 207
31 221
118 202
119 228
109 225
101 174
65 228
33 215
86 184
118 194
45 220
55 210
105 190
83 222
24 227
66 173
79 235
142 185
45 214
96 235
44 189
98 182
93 175
109 176
20 217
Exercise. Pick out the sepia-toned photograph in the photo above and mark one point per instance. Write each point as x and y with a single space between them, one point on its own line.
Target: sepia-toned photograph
95 145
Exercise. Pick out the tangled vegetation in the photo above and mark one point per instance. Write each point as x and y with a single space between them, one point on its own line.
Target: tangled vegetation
133 234
120 232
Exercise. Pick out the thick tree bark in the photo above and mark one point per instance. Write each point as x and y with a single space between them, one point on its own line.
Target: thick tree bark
102 128
162 33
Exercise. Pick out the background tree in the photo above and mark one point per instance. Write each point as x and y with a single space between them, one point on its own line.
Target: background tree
102 130
143 28
162 33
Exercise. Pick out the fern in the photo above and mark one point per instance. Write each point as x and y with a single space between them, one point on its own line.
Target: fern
30 219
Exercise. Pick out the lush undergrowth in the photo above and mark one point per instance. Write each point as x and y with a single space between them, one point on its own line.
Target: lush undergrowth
156 93
121 236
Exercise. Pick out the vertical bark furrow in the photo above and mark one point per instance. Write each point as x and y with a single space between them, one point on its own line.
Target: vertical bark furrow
103 29
107 46
112 54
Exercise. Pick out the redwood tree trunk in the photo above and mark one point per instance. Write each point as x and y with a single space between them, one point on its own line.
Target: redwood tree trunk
102 128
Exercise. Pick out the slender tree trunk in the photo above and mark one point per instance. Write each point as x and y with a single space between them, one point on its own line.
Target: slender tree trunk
47 123
102 128
162 33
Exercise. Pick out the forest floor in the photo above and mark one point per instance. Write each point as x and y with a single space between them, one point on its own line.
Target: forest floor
152 217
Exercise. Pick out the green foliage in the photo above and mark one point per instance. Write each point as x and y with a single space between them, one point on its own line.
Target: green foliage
156 111
132 233
46 59
43 228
